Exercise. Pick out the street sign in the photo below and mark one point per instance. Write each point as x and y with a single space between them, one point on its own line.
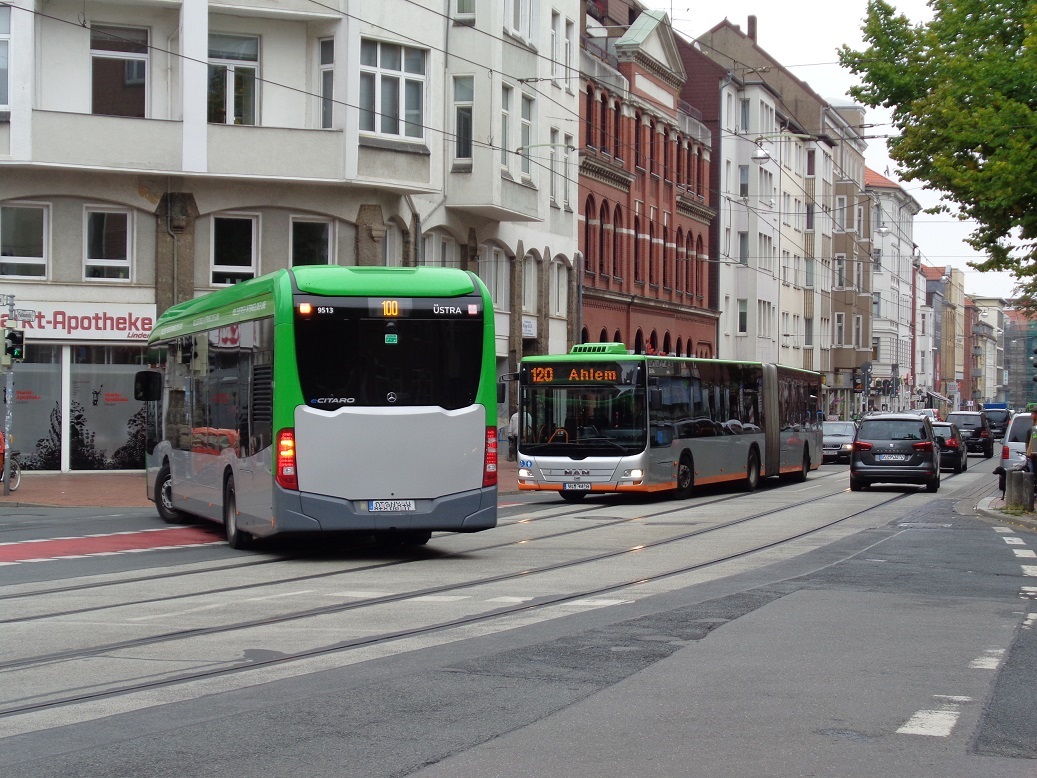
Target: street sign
22 314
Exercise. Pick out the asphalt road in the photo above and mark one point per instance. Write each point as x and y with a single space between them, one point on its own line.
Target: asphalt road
898 641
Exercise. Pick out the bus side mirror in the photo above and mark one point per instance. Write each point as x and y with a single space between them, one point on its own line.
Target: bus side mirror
147 386
501 393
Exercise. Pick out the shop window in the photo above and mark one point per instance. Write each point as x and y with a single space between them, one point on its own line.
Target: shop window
233 249
108 245
23 240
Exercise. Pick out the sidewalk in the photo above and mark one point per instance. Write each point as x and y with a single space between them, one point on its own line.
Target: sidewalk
121 489
993 508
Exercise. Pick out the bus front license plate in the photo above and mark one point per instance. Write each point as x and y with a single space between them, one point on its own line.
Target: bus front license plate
577 487
392 506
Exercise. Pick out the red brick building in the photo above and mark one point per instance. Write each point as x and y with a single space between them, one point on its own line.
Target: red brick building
646 206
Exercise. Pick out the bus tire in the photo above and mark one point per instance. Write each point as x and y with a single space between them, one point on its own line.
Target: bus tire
236 537
801 474
164 497
570 496
752 471
685 477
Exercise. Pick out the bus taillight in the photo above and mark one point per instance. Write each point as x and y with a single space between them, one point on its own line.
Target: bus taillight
489 470
287 477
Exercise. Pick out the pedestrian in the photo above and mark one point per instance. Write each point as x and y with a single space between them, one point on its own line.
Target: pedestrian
1031 440
513 427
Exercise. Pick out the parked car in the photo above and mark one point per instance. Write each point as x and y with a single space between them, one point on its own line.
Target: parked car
838 440
998 418
953 454
895 448
975 428
930 412
1013 446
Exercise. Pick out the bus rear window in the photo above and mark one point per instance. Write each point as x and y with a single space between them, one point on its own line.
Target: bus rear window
348 357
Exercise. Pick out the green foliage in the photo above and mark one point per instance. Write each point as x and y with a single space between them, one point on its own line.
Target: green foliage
962 89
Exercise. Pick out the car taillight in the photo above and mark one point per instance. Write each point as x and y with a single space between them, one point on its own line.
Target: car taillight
287 477
860 445
1005 453
489 470
925 445
952 443
982 433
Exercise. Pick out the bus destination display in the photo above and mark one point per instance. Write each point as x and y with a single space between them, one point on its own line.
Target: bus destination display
569 373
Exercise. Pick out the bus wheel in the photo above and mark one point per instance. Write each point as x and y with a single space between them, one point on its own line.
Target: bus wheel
236 537
685 478
801 474
570 496
164 497
752 471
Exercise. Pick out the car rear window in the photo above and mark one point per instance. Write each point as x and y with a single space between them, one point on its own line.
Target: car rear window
892 429
968 421
1017 431
997 417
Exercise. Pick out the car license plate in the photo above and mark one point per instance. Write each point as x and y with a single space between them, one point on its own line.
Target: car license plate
393 506
577 487
891 457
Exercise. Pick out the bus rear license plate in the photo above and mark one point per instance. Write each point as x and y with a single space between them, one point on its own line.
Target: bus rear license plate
393 506
577 487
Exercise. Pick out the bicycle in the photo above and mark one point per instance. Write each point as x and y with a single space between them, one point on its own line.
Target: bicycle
16 471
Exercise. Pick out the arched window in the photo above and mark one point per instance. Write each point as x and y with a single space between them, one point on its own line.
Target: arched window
590 115
585 336
618 337
691 265
693 170
639 158
603 241
678 263
604 336
617 115
590 243
638 277
701 267
678 351
666 343
617 243
678 173
651 254
651 147
666 257
653 343
639 343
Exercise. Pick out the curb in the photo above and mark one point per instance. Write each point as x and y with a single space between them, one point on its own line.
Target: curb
988 509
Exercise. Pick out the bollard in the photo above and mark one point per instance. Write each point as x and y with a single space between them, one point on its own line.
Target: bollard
1019 490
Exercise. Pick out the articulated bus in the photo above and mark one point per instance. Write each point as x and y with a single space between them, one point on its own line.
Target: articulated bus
600 419
327 398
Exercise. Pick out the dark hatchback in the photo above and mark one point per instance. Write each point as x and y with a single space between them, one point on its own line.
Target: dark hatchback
953 454
975 429
895 448
838 440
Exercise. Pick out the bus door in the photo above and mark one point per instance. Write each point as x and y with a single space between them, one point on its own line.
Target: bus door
660 441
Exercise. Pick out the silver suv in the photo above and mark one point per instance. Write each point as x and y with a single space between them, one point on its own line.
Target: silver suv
895 448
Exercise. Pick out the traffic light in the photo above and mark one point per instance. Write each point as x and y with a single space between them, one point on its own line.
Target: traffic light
14 344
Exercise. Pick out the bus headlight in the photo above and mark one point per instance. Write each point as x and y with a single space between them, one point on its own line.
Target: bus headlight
525 472
635 473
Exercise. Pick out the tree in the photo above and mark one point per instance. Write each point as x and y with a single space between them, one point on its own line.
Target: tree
962 93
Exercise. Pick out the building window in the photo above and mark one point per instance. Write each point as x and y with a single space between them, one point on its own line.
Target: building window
441 251
494 270
743 247
327 83
517 15
876 305
858 331
840 329
119 69
553 165
529 284
743 121
5 55
464 9
839 271
876 349
559 288
392 88
809 280
233 67
567 170
840 212
392 246
505 124
570 47
876 258
808 331
527 133
23 241
109 241
743 316
743 180
464 96
233 249
556 48
311 242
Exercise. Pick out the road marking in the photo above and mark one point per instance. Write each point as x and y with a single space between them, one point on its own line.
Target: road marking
1004 530
162 538
935 723
1012 540
989 661
1029 570
1025 552
510 600
1028 592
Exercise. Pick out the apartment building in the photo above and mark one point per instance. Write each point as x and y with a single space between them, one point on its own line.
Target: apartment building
645 190
153 151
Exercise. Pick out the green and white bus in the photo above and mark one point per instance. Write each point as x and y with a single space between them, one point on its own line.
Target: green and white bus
601 419
327 399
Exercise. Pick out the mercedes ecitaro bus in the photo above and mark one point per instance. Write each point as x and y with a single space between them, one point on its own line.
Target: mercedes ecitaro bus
327 399
601 419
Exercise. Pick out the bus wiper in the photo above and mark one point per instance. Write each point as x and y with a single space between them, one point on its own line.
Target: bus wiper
610 441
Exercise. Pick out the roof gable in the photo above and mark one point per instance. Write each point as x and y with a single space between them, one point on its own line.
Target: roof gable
651 37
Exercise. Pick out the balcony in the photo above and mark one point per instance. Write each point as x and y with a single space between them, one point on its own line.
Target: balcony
107 142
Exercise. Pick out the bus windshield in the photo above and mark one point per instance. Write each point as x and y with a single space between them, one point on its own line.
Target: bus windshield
599 420
403 352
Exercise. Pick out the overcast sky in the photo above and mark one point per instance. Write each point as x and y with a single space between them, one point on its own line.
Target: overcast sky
803 35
